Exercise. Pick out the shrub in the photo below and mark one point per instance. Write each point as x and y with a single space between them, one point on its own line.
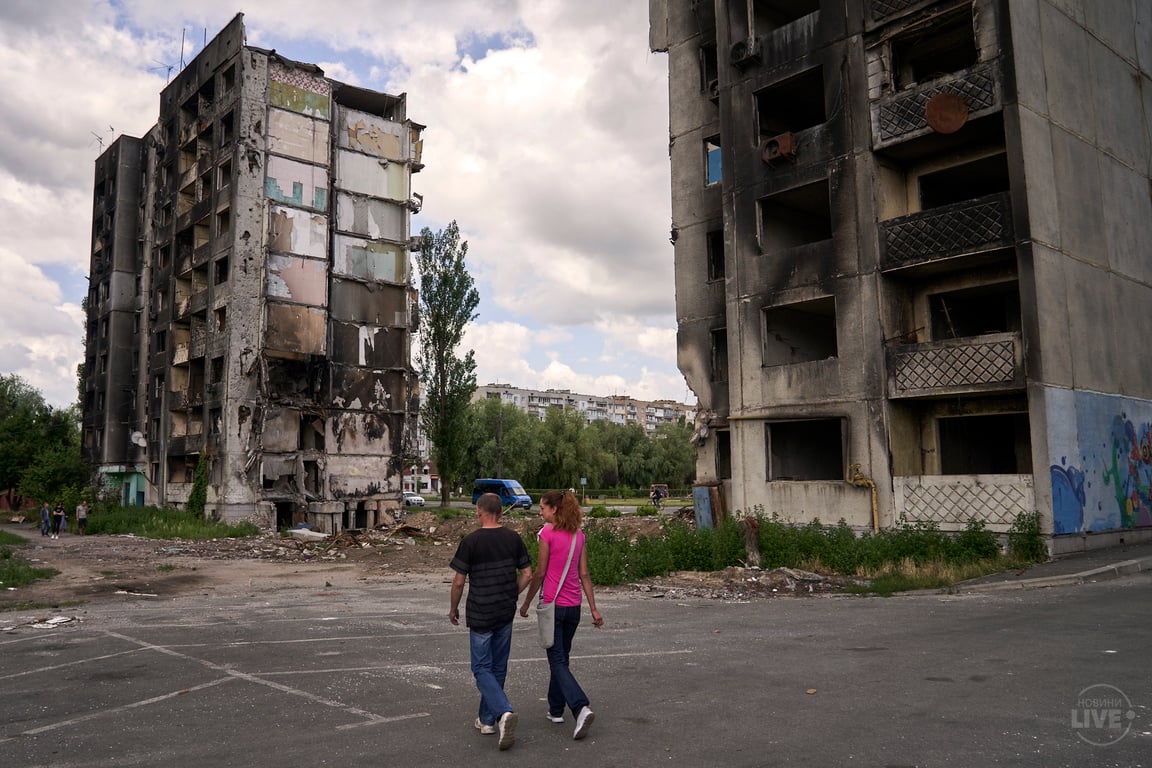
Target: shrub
1024 539
159 523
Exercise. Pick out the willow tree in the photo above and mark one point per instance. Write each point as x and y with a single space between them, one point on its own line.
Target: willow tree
448 300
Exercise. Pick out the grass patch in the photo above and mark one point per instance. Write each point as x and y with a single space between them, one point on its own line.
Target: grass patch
909 575
602 511
450 513
165 567
31 605
156 523
15 571
7 537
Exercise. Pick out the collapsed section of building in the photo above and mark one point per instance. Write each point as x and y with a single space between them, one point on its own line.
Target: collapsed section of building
251 306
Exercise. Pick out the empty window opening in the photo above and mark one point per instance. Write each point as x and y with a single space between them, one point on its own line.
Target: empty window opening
311 433
769 15
801 332
221 316
161 341
720 354
227 128
986 176
997 444
201 233
215 421
715 245
975 311
795 217
228 79
723 454
312 481
943 46
223 222
709 71
216 374
792 105
181 469
712 167
806 450
221 270
224 175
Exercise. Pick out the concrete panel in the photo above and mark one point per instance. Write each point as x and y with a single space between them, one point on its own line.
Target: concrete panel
356 432
298 136
1028 45
1127 222
1074 9
1051 296
371 176
1043 205
1132 332
377 390
1090 315
1143 32
296 183
281 432
360 477
1079 203
291 230
375 304
368 346
1065 48
1113 21
372 134
299 91
294 328
372 218
1120 129
826 501
292 278
353 257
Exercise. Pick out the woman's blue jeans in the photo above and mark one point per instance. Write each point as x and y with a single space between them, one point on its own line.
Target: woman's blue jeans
562 686
489 651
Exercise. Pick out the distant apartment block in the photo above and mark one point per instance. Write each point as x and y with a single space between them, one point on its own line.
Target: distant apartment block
250 300
913 258
619 409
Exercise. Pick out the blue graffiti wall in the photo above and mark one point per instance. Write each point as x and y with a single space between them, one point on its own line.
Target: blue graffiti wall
1101 461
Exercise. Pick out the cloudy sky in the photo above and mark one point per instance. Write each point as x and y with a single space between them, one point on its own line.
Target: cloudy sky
546 142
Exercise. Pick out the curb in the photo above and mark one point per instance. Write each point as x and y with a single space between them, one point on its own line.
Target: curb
1104 573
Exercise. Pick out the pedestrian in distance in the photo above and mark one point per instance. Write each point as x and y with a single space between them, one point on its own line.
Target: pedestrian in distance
560 536
45 520
57 519
495 564
82 517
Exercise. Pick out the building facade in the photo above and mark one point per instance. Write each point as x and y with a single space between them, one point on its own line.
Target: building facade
250 299
913 255
619 409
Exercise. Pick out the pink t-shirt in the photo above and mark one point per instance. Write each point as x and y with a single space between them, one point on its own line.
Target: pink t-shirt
558 544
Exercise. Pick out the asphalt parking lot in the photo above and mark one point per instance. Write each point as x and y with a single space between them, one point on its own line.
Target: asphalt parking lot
375 675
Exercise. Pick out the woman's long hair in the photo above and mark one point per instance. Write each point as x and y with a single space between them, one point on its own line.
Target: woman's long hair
568 512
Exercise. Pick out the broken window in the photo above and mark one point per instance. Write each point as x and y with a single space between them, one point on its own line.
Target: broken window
723 454
227 129
975 311
223 222
221 270
715 245
311 433
161 341
792 104
201 233
215 421
712 169
224 175
228 79
217 371
720 354
967 181
221 316
795 217
709 71
805 450
800 332
941 46
995 444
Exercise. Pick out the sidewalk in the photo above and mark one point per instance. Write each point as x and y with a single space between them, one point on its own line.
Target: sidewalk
1076 568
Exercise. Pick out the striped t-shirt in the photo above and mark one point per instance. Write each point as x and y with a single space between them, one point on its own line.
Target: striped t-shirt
490 558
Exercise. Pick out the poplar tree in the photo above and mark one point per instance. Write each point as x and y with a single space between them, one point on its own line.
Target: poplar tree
448 300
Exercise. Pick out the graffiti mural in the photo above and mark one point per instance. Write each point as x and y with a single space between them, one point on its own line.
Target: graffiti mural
1130 473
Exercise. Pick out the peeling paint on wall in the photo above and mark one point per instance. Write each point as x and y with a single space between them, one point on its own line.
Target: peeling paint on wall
299 91
291 230
375 304
299 136
362 173
295 328
372 218
373 135
366 345
367 260
297 183
297 279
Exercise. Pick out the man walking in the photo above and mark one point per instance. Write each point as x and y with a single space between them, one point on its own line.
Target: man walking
82 517
496 565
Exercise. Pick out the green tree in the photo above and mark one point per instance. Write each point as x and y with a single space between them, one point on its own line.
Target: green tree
503 441
448 300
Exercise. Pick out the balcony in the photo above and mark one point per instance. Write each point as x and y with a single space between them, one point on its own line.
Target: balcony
180 354
993 362
903 116
950 501
948 232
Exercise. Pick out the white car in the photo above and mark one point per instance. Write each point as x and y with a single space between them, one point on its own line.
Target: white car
413 500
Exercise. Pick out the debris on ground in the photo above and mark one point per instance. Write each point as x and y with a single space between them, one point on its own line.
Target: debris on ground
736 583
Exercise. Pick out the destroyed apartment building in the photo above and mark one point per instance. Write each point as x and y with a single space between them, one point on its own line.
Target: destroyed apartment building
250 298
913 258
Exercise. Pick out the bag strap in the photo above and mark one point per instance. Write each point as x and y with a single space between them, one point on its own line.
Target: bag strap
564 575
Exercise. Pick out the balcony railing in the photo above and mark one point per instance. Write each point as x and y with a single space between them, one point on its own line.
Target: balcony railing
950 231
902 116
989 363
950 501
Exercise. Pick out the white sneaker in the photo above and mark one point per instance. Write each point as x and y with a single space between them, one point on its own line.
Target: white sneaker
555 718
485 730
507 726
583 723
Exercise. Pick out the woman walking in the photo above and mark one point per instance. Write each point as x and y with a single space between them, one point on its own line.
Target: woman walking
560 536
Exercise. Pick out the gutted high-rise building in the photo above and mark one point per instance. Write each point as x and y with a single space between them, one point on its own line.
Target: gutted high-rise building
913 249
251 307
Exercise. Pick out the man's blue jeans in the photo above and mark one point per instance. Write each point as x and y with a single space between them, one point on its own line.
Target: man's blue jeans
562 686
490 666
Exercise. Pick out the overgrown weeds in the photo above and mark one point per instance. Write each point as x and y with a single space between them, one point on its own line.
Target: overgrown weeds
15 571
158 523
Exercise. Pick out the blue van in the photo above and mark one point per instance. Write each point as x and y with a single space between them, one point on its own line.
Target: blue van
511 493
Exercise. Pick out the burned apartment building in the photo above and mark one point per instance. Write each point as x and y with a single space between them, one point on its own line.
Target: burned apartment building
913 257
250 296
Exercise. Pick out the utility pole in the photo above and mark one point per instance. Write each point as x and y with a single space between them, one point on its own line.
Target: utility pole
500 441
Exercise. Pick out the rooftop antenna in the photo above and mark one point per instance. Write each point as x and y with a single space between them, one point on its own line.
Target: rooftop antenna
99 140
181 47
162 65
